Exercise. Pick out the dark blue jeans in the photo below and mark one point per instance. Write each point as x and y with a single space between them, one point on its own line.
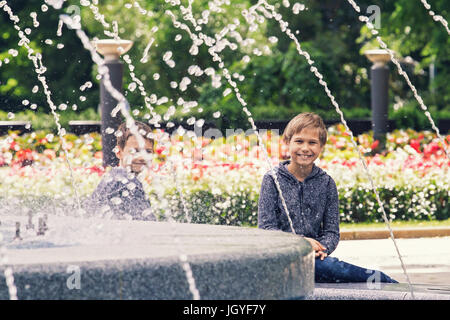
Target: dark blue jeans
332 269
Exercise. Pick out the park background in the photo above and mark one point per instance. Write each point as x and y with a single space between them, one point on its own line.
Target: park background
277 84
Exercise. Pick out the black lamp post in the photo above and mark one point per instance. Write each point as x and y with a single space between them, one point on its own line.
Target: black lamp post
111 50
379 74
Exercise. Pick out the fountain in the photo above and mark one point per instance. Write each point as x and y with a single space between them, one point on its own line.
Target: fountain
141 260
111 259
227 262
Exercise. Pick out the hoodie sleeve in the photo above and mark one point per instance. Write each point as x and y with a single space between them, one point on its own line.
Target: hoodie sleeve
268 204
122 198
330 231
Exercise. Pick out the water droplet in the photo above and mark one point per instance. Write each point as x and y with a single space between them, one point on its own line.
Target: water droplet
13 52
200 123
132 86
167 56
116 201
246 59
184 83
297 8
171 63
162 100
190 121
226 92
49 137
193 50
273 39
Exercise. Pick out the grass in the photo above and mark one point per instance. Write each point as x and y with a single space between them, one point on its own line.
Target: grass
395 224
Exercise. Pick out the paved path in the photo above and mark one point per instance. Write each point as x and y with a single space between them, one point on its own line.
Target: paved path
427 260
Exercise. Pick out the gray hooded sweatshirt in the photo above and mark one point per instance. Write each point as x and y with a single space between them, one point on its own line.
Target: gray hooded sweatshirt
313 205
122 193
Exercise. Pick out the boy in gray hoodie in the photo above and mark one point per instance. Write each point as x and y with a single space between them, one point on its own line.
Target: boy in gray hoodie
120 194
311 198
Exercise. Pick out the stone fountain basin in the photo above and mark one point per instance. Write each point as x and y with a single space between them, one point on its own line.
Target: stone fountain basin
119 259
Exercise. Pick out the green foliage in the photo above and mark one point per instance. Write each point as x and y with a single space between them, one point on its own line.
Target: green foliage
408 29
277 85
67 68
411 116
400 204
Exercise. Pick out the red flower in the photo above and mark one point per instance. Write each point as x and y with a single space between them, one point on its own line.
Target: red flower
95 169
13 145
24 157
374 144
415 144
24 154
159 150
431 148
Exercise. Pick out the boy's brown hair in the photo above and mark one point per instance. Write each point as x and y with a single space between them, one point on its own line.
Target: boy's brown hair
302 121
144 129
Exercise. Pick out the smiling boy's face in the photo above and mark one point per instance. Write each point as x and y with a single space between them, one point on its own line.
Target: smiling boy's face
130 157
305 147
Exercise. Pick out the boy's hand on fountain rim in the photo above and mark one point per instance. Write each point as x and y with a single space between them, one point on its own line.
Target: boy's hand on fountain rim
317 246
322 254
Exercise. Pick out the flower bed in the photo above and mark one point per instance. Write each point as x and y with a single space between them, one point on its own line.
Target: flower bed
220 179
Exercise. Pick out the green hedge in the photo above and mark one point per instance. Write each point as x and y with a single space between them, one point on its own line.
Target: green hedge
357 204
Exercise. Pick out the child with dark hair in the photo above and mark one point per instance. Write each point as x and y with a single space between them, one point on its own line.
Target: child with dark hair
311 197
120 194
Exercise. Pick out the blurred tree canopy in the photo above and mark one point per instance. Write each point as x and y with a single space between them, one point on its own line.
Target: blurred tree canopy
273 79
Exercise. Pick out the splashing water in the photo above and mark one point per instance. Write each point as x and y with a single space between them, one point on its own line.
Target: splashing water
437 18
401 72
314 70
40 69
226 73
119 97
215 47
